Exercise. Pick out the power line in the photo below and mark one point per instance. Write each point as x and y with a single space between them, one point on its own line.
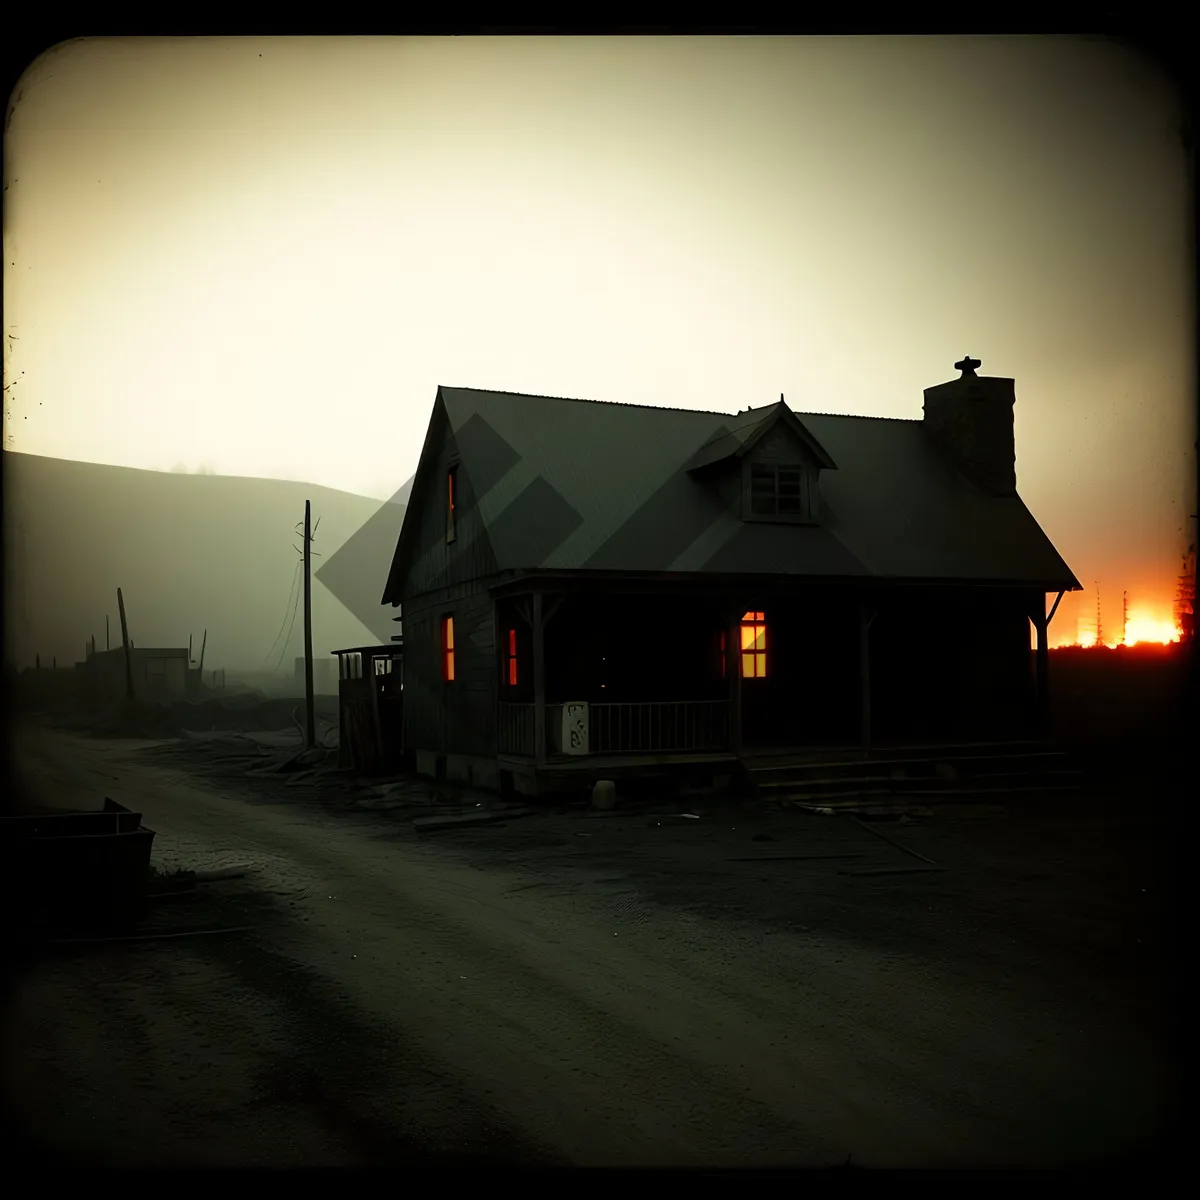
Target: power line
287 640
286 609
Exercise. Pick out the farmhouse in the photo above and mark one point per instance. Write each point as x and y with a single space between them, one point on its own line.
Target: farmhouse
590 587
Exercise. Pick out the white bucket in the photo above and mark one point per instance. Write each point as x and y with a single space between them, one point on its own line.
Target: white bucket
604 795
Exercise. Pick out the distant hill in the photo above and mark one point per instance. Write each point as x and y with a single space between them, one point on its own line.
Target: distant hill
188 551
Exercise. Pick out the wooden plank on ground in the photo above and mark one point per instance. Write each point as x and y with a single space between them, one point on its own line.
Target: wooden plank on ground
914 870
892 841
474 818
792 857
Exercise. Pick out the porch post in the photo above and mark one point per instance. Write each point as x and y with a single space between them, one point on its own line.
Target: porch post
539 682
733 658
1043 669
865 616
376 723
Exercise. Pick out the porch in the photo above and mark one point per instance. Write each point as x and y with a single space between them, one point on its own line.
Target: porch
669 671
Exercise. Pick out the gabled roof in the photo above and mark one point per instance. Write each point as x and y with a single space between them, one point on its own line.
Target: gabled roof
748 428
565 484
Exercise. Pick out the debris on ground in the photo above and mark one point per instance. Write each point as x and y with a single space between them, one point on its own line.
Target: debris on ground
892 841
973 810
764 858
832 808
221 873
482 817
65 870
604 795
905 870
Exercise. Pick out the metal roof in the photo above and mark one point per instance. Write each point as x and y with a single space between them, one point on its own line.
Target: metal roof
586 485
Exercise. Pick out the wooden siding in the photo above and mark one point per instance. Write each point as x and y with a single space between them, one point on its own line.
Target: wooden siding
433 563
457 717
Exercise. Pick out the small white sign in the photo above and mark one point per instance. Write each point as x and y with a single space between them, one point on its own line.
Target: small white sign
575 728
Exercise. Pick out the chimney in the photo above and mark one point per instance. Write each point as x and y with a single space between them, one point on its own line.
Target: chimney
970 420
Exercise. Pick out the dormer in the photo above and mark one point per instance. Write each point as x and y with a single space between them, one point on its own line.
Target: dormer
767 465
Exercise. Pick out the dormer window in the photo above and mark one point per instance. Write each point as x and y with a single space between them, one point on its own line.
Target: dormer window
777 491
765 465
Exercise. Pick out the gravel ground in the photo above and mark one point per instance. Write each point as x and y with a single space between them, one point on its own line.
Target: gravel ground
627 989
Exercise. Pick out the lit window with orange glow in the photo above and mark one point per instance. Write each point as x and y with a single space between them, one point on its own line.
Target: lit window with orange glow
448 649
451 502
754 645
512 658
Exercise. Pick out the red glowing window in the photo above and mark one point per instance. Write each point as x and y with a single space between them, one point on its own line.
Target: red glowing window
754 645
451 502
512 658
448 649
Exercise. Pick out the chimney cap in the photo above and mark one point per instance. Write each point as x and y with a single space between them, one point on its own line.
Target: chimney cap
967 367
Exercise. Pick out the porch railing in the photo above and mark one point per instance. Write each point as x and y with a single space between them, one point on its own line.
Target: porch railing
663 726
515 726
657 726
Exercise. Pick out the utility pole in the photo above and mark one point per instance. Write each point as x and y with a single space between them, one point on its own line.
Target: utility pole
310 722
203 643
127 644
1099 627
106 645
1124 616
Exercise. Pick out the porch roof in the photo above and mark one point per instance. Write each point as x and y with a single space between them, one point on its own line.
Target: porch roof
581 485
390 651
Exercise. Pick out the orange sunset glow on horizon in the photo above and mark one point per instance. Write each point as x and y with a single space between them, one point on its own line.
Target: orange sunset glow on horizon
1145 626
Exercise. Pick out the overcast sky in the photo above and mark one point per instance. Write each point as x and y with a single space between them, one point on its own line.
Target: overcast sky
263 256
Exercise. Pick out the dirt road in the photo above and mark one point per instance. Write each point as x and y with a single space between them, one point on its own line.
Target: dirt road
542 993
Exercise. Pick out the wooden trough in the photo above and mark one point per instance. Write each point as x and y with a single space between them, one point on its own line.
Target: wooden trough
75 869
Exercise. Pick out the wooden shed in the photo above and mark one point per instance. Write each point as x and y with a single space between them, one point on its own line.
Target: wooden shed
370 707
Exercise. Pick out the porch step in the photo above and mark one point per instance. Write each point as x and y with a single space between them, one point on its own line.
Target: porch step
931 783
889 765
990 770
849 756
834 800
874 802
